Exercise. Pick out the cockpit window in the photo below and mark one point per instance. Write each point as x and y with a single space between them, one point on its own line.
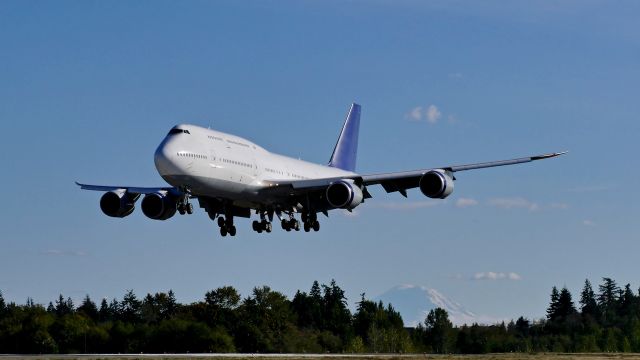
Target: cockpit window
178 131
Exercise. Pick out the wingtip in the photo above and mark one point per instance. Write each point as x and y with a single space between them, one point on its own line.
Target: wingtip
547 156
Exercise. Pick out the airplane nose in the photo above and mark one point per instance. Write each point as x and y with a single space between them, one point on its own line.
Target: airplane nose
163 159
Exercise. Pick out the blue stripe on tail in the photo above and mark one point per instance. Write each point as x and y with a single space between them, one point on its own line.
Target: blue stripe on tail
344 154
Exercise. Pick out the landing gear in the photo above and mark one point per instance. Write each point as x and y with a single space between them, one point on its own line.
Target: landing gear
291 224
310 222
184 206
226 226
260 226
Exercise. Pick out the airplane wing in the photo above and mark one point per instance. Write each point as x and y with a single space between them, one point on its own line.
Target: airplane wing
391 182
401 181
130 189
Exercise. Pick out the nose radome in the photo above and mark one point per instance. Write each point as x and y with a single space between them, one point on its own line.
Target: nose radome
163 159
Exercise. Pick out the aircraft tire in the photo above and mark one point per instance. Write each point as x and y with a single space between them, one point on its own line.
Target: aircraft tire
316 226
189 208
232 230
223 231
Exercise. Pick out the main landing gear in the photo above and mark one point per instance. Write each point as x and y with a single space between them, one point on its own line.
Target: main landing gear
310 222
185 208
291 224
226 226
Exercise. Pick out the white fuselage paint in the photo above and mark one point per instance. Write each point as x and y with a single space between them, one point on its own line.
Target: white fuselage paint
215 164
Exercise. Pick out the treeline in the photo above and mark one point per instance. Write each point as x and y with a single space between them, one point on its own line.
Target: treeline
315 322
606 321
264 322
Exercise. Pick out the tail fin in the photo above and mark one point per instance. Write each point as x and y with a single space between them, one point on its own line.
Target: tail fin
346 149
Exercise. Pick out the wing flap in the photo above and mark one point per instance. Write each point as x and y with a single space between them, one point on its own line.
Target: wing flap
131 189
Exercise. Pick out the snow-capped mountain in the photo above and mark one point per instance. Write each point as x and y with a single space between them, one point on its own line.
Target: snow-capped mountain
414 303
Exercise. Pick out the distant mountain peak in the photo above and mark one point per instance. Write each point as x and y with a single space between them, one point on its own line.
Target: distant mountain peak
414 303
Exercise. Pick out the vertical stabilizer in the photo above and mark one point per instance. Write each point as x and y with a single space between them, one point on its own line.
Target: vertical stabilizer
344 154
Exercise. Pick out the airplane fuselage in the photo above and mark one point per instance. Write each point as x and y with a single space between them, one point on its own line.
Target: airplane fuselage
219 165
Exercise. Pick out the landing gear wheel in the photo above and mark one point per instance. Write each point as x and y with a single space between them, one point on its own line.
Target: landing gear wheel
223 231
232 230
221 222
316 226
268 227
255 226
189 208
284 224
307 227
181 209
296 225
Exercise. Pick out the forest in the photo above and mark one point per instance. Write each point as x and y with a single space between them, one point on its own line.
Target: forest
318 321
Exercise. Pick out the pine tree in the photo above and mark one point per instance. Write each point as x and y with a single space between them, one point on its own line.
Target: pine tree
89 308
588 304
554 304
103 313
608 298
565 304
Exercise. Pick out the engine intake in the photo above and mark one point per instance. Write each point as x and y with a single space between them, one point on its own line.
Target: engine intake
344 194
436 184
158 206
118 203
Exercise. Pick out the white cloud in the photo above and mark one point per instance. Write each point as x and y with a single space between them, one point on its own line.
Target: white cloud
490 275
415 113
513 203
433 114
466 202
588 223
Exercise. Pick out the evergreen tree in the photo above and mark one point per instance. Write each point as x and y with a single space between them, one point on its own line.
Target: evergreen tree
89 308
608 298
588 304
103 313
63 307
565 304
554 304
130 307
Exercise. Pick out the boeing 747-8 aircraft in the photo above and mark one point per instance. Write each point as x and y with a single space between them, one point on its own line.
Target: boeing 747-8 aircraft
233 177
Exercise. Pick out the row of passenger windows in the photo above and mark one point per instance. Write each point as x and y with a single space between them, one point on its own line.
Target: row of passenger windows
211 137
239 163
192 155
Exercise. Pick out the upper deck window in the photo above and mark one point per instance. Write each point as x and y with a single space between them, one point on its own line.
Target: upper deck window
178 131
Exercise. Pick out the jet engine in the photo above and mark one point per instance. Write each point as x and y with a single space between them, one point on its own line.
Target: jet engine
158 206
118 203
436 184
344 194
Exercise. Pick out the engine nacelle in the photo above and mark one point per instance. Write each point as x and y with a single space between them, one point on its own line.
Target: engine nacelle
344 194
158 206
436 184
118 203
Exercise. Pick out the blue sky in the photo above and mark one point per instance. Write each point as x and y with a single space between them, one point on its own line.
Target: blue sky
89 89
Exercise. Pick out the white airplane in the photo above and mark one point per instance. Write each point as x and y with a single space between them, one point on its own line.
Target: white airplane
231 177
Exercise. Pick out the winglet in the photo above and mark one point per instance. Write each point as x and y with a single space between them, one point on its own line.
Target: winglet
346 149
546 156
